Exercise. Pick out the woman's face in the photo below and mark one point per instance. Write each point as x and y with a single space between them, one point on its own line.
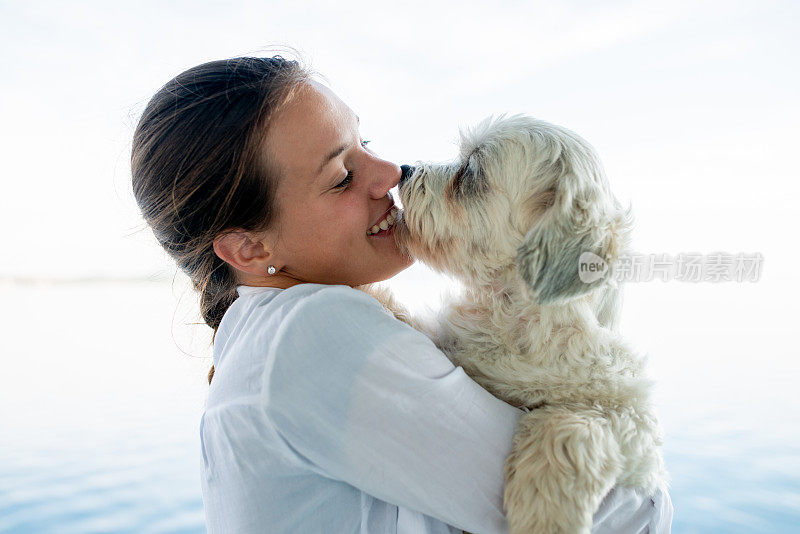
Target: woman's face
331 191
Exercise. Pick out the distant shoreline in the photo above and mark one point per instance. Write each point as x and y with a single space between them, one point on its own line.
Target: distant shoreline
83 280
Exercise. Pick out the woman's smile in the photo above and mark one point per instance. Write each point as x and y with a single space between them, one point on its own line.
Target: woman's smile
384 225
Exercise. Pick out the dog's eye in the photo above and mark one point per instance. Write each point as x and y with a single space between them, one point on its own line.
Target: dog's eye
467 183
459 177
454 188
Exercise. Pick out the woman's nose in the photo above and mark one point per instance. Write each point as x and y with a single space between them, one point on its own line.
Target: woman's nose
388 177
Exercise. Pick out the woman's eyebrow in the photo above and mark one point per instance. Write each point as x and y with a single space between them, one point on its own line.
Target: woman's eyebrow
336 152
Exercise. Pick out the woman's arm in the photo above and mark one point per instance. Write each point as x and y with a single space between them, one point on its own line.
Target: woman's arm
370 401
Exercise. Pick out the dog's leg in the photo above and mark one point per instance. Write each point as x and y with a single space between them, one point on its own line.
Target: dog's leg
563 462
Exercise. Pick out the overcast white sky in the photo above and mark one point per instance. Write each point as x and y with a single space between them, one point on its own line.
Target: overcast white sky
692 105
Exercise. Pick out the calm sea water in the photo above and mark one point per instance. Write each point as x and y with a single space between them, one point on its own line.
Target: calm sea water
103 385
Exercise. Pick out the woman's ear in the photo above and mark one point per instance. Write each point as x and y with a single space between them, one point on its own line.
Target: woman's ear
243 251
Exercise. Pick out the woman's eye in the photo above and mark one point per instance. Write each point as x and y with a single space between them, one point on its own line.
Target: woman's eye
349 177
344 183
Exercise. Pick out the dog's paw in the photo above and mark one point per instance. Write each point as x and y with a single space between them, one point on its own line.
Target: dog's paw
562 463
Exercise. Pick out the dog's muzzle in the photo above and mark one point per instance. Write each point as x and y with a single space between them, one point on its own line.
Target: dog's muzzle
406 172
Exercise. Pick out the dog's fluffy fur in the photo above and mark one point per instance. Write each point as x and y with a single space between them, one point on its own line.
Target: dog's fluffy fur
510 218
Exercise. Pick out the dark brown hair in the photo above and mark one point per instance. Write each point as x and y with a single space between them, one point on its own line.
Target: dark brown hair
199 169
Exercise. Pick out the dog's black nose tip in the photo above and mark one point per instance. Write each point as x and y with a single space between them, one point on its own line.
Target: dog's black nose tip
405 172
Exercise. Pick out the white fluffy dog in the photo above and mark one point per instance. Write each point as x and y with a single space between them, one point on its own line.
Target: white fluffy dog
510 218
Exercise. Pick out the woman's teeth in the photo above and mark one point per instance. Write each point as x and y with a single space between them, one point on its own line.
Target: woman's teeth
391 218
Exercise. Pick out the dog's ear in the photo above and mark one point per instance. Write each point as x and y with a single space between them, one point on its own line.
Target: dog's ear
574 243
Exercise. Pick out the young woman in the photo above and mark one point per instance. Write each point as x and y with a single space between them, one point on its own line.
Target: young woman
325 413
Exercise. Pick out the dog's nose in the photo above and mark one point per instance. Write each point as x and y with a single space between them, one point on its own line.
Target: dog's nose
405 172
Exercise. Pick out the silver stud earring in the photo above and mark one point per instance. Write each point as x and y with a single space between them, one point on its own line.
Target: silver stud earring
271 270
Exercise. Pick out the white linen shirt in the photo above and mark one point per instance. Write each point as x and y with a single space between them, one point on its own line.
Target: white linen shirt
327 414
